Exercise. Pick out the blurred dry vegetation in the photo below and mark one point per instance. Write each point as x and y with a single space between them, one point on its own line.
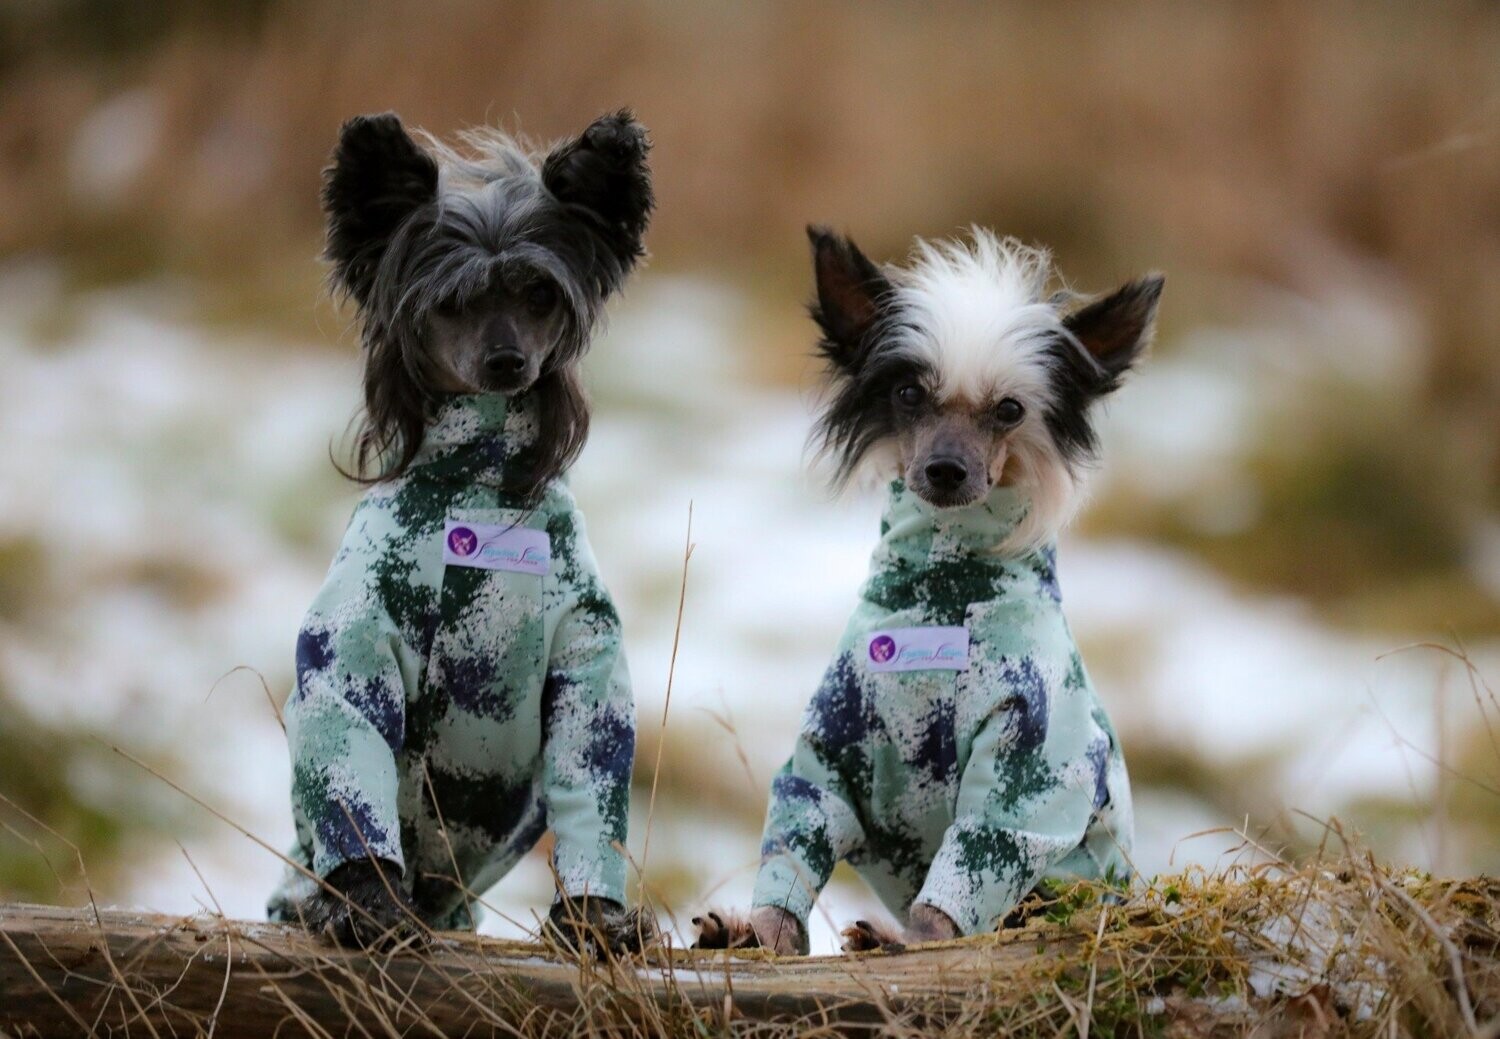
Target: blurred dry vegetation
1267 156
1246 149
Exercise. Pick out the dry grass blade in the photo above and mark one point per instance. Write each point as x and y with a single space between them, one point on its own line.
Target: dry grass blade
117 978
213 1019
687 555
264 686
1458 984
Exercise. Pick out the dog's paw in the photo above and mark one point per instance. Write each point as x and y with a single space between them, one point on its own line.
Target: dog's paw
863 936
364 907
629 931
724 931
599 927
766 927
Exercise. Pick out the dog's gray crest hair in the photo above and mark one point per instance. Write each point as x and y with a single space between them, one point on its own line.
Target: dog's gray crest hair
414 226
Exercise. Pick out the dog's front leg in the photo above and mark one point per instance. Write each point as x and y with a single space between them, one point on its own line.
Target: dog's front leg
929 924
778 930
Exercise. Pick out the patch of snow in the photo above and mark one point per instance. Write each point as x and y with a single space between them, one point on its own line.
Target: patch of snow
159 459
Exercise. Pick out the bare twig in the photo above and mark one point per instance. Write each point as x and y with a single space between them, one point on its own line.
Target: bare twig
661 742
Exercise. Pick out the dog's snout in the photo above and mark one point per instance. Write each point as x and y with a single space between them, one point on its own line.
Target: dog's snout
946 474
506 364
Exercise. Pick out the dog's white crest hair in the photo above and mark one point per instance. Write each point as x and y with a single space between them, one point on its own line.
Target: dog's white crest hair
977 311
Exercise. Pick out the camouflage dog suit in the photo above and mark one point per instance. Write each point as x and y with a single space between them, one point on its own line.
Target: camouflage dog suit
446 714
958 787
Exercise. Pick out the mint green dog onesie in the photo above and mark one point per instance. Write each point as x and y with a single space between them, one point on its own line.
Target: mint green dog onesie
461 687
956 753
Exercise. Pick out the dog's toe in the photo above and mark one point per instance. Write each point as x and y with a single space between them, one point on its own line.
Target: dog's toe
863 936
724 931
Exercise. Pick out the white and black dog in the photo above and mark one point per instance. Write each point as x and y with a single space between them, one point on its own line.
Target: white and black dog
960 371
955 752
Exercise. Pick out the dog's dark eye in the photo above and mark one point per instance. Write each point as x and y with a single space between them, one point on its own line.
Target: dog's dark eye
1009 411
541 297
911 395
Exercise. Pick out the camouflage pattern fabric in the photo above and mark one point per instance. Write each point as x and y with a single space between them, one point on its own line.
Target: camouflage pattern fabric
445 717
960 789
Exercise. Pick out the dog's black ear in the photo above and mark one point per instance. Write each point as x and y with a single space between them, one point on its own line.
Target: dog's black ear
1117 329
851 290
602 175
377 177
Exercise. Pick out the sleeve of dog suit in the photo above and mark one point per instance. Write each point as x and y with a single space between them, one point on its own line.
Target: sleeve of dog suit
588 717
810 822
346 718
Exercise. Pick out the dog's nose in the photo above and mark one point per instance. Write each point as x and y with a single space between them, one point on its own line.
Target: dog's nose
506 363
946 474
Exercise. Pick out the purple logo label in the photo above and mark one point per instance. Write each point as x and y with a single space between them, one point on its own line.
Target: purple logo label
462 541
920 649
497 546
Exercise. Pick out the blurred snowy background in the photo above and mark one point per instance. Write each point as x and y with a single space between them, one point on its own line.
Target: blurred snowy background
1303 482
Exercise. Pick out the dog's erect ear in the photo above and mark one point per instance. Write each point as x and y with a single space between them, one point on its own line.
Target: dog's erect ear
1117 329
603 175
377 177
850 290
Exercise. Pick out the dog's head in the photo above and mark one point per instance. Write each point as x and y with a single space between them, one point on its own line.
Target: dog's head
482 271
959 372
